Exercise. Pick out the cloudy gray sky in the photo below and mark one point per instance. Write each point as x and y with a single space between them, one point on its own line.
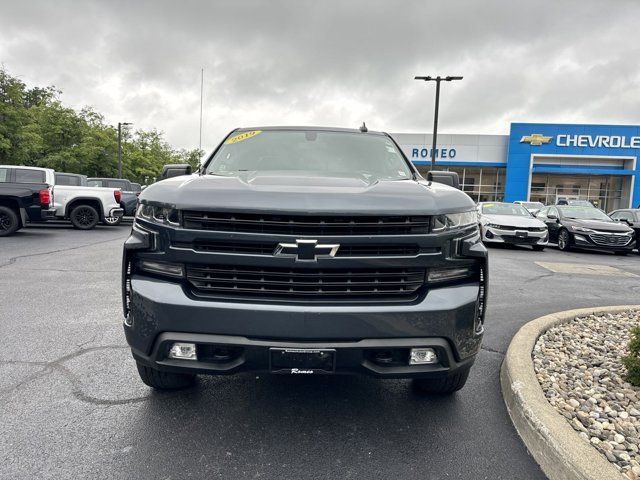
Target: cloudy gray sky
332 63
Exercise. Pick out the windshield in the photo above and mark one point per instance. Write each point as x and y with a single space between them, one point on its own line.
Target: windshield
532 204
319 153
584 213
580 203
505 209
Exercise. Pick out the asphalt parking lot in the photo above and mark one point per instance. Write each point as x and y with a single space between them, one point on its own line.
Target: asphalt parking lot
72 406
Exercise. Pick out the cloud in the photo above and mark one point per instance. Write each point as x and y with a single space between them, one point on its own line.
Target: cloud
331 62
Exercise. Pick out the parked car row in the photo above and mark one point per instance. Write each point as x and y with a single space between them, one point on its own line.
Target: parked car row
576 225
33 194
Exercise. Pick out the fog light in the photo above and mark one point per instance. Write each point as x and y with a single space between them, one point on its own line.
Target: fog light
448 274
422 356
183 351
162 268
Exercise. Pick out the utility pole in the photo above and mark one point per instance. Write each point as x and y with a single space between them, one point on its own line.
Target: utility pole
120 125
437 79
201 97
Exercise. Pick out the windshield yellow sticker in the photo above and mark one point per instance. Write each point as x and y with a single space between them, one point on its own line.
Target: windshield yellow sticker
241 136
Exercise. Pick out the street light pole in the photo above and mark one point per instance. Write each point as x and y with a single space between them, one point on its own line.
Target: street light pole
437 79
120 125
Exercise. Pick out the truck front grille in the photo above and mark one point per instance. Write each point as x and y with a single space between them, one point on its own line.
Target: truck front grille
267 248
306 224
299 284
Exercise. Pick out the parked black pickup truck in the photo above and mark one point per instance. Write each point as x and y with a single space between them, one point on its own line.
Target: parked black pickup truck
305 251
23 199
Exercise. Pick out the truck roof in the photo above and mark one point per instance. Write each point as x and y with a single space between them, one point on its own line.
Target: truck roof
27 167
317 129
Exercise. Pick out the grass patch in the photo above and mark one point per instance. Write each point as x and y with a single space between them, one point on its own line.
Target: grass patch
632 361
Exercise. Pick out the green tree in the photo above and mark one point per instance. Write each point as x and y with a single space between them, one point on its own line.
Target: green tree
37 129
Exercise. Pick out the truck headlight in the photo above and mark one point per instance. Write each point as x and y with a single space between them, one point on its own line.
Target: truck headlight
453 221
160 215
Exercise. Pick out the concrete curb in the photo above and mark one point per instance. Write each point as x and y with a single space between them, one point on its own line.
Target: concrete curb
554 444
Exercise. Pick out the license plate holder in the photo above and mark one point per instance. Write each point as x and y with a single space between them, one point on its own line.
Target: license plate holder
522 234
295 361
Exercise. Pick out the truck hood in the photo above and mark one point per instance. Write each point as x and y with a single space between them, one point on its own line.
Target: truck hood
294 193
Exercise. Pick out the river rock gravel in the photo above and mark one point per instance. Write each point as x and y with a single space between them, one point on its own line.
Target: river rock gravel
578 365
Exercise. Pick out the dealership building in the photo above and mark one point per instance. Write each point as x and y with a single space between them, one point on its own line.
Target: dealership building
539 162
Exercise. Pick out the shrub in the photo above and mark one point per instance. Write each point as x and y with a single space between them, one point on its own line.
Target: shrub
632 361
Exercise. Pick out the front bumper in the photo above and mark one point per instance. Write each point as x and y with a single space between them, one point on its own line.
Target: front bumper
514 237
351 357
161 312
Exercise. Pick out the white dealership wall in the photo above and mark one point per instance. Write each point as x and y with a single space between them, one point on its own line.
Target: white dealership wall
455 148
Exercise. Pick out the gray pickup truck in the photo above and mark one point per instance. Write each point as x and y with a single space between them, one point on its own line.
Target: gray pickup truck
305 250
128 199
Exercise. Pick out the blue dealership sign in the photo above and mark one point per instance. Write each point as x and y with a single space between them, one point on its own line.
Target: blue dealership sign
562 141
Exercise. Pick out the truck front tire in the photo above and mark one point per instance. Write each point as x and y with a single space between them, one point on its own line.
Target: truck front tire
84 217
164 380
442 386
9 221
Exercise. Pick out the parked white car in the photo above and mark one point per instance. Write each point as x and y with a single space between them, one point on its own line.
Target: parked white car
83 206
533 207
511 223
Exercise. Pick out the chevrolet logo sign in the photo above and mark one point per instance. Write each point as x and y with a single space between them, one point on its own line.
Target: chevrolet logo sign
306 250
535 139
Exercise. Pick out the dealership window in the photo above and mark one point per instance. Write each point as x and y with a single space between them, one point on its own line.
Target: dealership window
604 191
481 184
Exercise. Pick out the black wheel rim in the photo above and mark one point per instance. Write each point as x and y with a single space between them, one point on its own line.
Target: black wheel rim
5 221
85 216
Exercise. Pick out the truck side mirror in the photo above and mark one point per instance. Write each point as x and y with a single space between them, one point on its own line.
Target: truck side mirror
448 178
175 170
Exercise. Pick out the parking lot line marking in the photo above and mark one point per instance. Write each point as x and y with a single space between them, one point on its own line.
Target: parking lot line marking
585 269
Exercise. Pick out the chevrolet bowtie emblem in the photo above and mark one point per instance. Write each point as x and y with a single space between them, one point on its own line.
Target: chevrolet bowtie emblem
535 139
306 250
